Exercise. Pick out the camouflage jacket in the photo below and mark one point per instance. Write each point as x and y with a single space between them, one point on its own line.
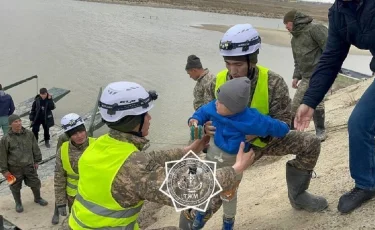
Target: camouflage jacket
204 90
60 178
143 173
308 43
19 149
62 138
279 100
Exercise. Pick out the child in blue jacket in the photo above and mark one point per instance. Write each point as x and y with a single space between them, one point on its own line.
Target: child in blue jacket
233 121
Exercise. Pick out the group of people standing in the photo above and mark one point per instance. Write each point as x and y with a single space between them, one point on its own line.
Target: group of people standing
246 112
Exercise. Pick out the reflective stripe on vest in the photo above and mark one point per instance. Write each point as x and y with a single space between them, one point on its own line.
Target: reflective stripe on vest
260 97
72 177
94 206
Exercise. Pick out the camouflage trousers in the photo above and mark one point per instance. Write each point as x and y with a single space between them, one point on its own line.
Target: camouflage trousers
298 96
305 146
28 174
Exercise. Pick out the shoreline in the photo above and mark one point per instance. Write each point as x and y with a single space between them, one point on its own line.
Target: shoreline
254 8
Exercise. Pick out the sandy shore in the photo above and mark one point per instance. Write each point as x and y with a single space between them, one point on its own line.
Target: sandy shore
261 8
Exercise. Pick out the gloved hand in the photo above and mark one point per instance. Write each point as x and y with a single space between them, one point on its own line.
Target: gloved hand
62 209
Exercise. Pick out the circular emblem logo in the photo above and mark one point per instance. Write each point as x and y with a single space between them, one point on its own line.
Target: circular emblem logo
191 182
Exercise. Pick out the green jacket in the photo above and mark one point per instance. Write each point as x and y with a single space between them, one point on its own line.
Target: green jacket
308 43
19 149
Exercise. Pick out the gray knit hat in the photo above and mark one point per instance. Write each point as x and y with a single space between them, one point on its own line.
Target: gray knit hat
12 118
235 94
193 62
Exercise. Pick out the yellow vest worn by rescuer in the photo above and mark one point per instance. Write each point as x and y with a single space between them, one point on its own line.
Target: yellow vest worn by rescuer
260 97
72 177
94 207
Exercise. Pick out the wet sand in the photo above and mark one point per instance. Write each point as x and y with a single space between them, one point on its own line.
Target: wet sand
261 8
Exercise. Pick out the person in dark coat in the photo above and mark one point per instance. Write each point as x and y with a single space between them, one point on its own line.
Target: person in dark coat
41 114
351 22
6 109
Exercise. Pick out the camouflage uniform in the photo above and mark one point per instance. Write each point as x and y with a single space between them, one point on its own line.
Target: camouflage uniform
308 43
305 146
204 90
18 154
62 138
60 178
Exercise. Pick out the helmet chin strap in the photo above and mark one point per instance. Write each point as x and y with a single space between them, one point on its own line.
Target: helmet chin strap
139 133
250 70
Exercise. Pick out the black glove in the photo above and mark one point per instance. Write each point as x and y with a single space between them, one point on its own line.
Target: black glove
62 209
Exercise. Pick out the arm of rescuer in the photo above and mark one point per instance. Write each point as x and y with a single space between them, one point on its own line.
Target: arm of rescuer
329 65
36 150
60 179
141 177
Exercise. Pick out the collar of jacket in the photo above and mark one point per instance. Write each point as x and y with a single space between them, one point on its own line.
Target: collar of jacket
10 132
140 142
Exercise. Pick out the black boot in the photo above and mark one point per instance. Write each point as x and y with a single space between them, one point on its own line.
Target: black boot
353 199
56 216
37 198
319 119
298 182
17 199
47 144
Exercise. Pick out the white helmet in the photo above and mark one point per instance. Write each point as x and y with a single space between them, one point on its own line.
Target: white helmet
70 121
239 40
120 99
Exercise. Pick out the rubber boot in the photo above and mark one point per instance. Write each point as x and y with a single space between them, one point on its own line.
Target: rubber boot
17 199
37 198
228 223
298 182
56 216
319 120
47 144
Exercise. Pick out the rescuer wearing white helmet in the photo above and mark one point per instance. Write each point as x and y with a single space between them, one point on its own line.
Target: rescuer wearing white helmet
66 169
269 93
116 175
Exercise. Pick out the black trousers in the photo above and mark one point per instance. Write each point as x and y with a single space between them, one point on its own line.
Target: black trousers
36 127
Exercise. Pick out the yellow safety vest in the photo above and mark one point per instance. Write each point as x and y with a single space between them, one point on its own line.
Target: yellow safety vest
94 207
260 97
72 177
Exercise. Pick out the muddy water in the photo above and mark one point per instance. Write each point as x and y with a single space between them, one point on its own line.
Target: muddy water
82 46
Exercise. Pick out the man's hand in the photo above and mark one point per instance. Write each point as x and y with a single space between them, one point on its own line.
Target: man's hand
303 117
62 209
36 166
49 96
243 160
6 174
193 122
209 129
295 83
198 145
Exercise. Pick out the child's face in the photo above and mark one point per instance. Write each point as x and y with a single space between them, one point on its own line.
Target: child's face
222 109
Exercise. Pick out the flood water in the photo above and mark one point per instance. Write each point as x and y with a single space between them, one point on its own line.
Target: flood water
82 46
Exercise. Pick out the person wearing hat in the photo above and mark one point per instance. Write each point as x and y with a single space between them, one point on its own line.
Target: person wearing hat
308 42
233 121
66 169
6 109
20 157
41 114
204 89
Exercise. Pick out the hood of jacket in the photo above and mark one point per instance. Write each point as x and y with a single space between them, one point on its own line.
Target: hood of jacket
301 20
